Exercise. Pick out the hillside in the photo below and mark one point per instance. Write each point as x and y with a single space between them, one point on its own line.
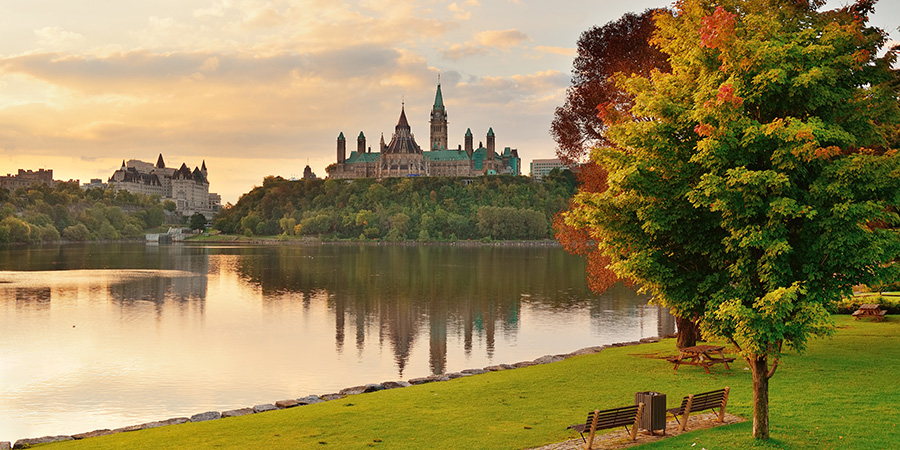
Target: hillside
45 214
397 209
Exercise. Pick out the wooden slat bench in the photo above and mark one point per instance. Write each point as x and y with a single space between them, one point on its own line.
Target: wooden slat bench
609 418
700 402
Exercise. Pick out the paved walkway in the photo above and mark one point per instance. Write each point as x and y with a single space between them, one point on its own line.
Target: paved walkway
619 439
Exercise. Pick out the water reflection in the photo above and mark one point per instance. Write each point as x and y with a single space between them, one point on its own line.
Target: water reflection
99 336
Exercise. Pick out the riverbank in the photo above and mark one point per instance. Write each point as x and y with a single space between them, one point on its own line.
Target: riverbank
306 240
826 398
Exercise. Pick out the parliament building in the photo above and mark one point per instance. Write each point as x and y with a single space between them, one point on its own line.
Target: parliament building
403 157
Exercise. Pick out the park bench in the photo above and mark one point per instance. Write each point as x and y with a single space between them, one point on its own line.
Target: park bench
609 418
700 402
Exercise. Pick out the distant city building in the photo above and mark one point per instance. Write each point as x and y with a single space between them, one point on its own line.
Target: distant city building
95 183
541 167
26 178
403 157
189 189
308 174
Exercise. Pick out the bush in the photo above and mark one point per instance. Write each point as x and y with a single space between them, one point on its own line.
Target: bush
889 302
77 232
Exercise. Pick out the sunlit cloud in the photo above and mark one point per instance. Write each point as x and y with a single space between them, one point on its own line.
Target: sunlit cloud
485 42
561 51
56 38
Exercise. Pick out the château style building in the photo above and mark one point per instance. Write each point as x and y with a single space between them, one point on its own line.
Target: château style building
403 157
189 189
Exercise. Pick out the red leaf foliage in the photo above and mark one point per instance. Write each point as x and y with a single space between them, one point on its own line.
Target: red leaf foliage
718 28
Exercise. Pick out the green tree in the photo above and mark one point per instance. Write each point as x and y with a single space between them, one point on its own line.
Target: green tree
764 184
198 222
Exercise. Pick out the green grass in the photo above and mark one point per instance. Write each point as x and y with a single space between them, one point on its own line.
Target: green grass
841 394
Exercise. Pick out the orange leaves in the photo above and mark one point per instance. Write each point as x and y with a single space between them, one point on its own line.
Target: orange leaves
827 152
718 28
726 95
704 129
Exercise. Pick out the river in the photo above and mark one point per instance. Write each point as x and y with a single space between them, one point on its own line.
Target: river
107 335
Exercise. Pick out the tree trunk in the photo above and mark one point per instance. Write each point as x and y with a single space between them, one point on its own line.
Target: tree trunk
688 332
760 370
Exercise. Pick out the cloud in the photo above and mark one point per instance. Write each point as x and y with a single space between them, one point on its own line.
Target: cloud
56 38
460 12
562 51
502 39
485 42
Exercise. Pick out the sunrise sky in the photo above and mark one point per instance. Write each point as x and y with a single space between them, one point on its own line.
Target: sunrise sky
263 87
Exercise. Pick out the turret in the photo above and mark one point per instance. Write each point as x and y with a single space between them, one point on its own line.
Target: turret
469 148
490 144
160 164
203 170
341 149
361 143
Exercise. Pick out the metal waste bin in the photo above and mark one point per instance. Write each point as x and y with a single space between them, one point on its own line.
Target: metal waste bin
654 416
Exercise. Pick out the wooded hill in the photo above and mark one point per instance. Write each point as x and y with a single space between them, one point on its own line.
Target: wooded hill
397 209
41 213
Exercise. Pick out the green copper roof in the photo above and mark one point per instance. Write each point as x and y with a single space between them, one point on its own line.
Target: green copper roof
490 132
438 99
356 158
468 131
341 137
361 135
446 155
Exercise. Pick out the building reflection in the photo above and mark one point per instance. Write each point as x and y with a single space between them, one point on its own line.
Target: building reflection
444 291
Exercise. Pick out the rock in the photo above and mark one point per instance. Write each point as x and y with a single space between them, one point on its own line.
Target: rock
451 376
309 400
524 364
237 412
163 423
374 387
420 380
589 350
26 443
5 445
547 359
203 417
328 397
264 408
130 428
353 390
89 434
508 366
496 368
284 404
649 339
474 371
395 384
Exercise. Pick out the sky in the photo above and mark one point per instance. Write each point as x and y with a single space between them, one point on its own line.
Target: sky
264 87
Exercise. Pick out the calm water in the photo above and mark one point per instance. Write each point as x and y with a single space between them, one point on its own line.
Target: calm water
108 335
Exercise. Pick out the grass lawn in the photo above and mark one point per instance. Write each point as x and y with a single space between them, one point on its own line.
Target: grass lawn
843 393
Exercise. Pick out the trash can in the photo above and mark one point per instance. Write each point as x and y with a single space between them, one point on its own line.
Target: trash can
654 416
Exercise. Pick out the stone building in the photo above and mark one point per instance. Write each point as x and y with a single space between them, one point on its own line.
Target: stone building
25 178
189 189
403 157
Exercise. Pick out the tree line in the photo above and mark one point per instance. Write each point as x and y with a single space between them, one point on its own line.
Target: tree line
41 213
399 209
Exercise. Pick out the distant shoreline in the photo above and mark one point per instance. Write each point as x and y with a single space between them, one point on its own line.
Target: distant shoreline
235 239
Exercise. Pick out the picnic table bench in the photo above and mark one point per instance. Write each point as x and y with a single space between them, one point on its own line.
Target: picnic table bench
870 310
701 355
700 402
609 418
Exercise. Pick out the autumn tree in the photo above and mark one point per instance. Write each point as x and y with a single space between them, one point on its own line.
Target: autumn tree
754 189
595 100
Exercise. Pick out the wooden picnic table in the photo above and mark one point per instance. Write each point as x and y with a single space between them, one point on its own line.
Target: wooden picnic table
701 355
870 310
